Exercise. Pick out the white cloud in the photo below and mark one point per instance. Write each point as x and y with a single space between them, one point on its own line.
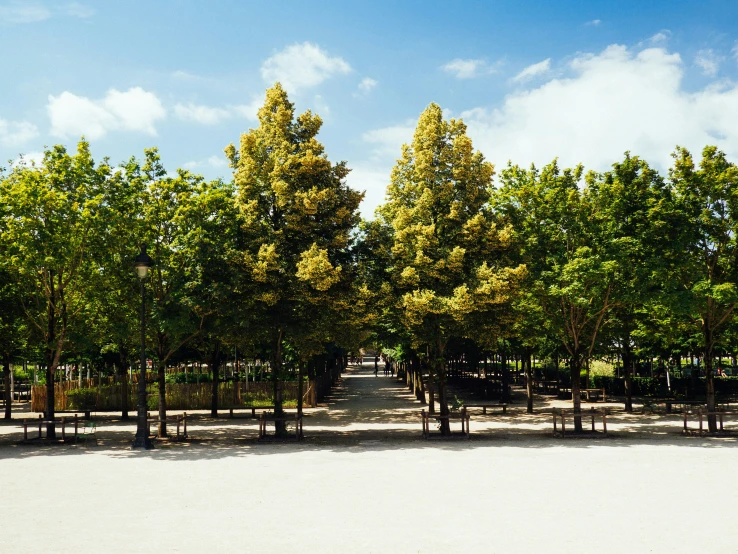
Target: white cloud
660 37
372 175
614 101
373 181
184 75
468 69
366 85
302 66
13 133
18 12
533 71
209 115
133 110
593 23
248 111
388 140
213 161
206 115
321 108
708 61
29 12
75 9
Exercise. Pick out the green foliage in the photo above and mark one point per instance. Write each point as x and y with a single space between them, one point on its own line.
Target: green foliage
82 398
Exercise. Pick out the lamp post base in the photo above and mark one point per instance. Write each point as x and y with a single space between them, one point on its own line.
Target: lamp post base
142 442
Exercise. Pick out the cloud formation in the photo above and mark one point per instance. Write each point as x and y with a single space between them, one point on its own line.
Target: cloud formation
533 71
132 110
26 12
14 133
17 12
366 85
708 62
620 99
206 115
210 115
609 102
468 69
217 162
302 66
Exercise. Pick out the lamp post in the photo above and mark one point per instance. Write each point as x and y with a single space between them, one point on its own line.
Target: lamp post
142 264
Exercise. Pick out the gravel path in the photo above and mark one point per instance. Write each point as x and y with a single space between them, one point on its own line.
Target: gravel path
366 482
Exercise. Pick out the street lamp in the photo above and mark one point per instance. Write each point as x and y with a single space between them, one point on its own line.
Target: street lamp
142 264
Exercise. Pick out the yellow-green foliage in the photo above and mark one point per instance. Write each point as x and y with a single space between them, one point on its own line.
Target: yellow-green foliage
445 259
601 368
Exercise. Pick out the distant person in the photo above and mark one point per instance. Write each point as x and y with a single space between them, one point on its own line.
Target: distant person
376 365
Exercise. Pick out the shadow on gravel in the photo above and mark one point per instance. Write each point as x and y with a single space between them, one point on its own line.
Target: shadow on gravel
374 405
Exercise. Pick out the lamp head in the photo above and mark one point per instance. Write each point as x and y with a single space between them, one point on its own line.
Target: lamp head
143 263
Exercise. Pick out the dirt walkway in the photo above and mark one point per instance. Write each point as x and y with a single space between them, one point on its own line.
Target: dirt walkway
364 481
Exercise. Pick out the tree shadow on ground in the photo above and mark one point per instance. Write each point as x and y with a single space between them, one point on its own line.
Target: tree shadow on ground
366 414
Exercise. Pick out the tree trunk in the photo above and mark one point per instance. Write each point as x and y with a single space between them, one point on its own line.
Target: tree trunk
505 397
300 386
440 370
123 375
280 426
50 362
161 378
418 386
709 378
576 397
8 399
528 380
628 372
431 387
215 366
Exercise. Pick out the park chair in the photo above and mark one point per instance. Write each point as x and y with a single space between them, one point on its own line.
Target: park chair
89 431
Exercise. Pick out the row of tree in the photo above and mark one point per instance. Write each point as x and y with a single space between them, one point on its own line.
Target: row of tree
556 261
551 261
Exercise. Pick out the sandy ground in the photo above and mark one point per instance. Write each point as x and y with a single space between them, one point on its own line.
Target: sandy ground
364 480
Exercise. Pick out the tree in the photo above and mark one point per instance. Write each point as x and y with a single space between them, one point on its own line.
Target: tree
13 330
166 212
706 201
572 275
445 246
49 217
630 202
298 216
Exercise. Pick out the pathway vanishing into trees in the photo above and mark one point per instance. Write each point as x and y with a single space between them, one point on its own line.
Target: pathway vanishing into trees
365 407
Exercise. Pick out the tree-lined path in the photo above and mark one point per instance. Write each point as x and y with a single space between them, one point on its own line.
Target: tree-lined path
366 407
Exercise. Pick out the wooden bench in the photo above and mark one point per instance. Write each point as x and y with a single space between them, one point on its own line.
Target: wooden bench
564 414
484 406
270 417
546 386
701 414
463 416
41 422
597 392
86 413
253 410
649 403
179 420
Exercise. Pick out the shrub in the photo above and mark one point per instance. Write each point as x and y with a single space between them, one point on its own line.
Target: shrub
82 399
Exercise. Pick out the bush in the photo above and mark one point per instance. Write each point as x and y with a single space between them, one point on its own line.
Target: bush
82 399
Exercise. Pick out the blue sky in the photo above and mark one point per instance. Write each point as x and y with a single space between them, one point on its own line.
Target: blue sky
584 81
